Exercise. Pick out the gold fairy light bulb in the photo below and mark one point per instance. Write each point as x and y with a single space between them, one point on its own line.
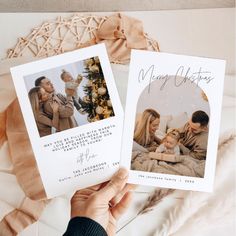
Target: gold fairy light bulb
109 103
94 68
99 110
96 59
89 62
94 95
102 91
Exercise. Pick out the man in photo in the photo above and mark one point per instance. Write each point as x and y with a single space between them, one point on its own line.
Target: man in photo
66 107
194 136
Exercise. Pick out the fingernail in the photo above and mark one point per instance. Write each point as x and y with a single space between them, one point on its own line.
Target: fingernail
122 173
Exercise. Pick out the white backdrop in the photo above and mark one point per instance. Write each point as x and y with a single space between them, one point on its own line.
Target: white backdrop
172 100
197 32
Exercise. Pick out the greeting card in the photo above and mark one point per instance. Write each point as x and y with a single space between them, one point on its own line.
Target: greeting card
172 120
73 117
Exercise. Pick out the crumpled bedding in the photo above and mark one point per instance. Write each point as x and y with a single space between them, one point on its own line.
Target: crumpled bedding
187 167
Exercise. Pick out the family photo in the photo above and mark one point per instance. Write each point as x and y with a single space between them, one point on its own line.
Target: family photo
69 96
171 129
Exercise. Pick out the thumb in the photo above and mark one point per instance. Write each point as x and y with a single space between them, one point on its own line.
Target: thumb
115 185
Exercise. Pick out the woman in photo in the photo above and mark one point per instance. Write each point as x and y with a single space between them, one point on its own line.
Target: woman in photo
38 96
145 128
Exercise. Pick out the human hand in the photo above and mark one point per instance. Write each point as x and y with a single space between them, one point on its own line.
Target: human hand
104 203
79 79
55 106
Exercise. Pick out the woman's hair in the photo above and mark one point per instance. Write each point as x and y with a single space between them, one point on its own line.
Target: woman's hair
141 132
174 133
34 97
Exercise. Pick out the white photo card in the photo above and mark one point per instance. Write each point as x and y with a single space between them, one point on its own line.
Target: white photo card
172 120
73 116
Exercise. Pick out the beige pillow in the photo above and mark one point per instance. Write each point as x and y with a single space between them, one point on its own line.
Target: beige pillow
177 121
163 123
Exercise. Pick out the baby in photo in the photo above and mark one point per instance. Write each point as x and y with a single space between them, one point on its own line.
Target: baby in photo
71 83
170 143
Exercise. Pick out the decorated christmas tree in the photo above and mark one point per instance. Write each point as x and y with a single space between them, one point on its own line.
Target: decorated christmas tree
96 102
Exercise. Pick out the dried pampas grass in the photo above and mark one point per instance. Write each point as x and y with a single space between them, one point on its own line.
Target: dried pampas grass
150 204
154 199
195 202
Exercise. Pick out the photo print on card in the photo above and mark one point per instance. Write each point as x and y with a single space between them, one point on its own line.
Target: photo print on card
69 96
172 121
73 117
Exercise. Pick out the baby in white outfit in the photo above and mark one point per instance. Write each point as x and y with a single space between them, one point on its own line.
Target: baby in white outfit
71 83
170 143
